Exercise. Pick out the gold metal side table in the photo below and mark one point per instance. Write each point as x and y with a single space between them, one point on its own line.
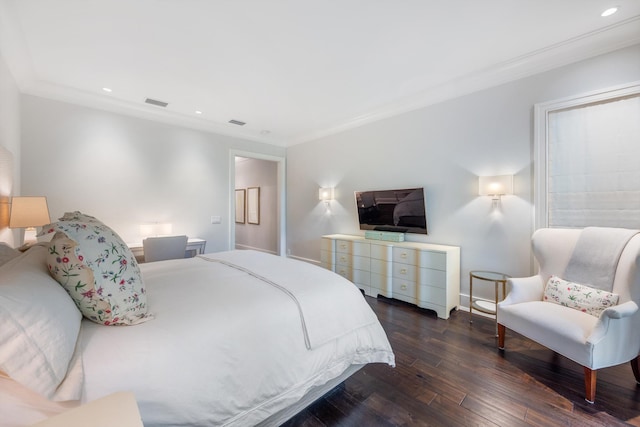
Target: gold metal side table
483 306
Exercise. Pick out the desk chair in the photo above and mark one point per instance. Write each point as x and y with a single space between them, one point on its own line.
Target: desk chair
161 248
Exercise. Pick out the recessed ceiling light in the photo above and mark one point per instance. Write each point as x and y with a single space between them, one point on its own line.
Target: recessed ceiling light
198 112
609 11
237 122
106 89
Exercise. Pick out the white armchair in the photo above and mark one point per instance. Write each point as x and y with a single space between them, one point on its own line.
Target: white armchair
593 342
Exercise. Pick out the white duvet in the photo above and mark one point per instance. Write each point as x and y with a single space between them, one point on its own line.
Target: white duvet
229 347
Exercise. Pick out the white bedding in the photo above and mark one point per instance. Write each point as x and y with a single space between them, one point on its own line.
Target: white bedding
227 347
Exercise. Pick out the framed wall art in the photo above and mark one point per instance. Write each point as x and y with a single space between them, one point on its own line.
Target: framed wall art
240 202
253 205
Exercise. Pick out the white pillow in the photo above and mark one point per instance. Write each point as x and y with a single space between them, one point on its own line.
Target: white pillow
39 324
7 253
580 297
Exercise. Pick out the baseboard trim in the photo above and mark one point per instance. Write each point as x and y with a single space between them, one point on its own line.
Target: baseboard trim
309 260
247 247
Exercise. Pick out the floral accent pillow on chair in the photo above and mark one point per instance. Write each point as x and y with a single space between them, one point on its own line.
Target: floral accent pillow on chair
97 269
580 297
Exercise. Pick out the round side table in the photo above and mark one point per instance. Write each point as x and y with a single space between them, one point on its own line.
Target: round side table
483 306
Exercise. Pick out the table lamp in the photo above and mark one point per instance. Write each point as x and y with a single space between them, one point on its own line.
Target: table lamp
29 213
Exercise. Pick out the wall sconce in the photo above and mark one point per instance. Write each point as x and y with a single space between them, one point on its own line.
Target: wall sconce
495 186
325 194
29 213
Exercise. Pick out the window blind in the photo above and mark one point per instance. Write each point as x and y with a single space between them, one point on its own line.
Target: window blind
593 165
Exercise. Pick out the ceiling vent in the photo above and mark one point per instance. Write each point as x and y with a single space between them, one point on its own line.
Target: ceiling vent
156 102
237 122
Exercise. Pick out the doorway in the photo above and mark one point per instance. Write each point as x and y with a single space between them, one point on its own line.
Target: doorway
257 202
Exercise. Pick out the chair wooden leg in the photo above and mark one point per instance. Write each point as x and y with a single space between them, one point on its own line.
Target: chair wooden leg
635 366
501 333
590 384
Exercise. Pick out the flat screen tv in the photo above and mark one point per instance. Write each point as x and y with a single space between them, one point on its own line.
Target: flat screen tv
401 211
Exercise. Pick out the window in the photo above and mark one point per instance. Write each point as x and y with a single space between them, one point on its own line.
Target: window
587 160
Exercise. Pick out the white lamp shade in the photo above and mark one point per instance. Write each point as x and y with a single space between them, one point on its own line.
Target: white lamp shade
325 194
495 185
28 212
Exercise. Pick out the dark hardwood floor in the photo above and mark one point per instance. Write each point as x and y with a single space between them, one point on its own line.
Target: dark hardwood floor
450 373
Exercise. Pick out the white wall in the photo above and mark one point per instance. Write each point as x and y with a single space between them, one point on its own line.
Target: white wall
444 148
263 174
10 143
127 171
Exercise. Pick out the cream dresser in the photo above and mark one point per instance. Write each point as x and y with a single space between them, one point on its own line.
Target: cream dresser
419 273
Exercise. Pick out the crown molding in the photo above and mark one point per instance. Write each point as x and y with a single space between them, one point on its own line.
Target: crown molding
618 36
143 111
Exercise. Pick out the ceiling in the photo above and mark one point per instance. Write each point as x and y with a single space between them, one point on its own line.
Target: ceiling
294 70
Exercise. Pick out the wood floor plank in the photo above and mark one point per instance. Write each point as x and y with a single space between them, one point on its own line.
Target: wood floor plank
508 413
450 373
449 413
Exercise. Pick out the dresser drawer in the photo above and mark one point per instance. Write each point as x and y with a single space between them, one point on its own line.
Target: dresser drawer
359 277
404 271
424 259
431 294
382 252
357 262
353 248
404 255
384 283
404 287
430 277
383 268
435 260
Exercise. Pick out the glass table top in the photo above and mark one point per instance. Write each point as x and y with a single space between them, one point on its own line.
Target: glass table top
489 275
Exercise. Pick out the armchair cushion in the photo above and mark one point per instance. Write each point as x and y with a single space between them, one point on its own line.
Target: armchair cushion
559 328
580 297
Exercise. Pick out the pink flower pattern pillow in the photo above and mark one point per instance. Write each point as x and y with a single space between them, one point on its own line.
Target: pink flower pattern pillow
97 269
580 297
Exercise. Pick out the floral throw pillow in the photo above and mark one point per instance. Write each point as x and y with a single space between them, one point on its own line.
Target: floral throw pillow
98 271
78 217
580 297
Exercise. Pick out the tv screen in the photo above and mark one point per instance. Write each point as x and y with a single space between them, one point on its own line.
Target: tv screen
401 211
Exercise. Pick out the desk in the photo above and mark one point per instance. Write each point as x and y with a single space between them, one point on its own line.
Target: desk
487 306
195 246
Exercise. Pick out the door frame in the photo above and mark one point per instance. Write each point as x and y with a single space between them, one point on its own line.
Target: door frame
281 204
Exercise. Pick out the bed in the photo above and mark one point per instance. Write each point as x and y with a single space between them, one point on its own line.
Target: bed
233 338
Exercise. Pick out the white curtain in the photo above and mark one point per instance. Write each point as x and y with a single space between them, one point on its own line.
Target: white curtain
593 165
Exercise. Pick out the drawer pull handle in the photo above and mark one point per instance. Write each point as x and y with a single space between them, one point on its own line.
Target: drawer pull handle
343 273
403 287
403 255
403 271
343 259
343 246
